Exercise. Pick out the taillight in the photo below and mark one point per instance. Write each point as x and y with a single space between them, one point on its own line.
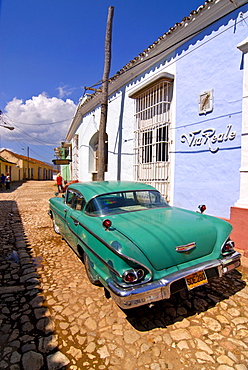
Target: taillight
132 276
107 224
202 208
228 247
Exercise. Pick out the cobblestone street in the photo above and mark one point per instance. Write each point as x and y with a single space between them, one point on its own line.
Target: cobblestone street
51 317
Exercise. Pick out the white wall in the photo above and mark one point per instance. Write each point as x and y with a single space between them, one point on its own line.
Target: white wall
120 128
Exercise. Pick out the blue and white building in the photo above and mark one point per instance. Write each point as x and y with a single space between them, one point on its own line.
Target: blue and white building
177 114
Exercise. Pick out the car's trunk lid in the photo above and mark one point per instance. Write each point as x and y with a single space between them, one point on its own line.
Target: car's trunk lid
169 236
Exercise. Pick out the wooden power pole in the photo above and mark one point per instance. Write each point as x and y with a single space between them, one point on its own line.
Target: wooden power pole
104 101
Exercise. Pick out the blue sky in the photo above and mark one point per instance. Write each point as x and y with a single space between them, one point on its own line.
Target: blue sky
52 49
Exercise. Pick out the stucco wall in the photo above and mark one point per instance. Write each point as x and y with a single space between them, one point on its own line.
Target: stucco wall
211 61
120 127
208 62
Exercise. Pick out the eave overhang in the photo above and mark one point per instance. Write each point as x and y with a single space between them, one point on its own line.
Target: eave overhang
197 21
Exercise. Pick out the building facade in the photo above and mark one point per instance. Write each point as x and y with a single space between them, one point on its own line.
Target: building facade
176 113
26 168
5 166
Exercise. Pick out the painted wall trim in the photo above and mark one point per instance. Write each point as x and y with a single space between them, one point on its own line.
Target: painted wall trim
161 76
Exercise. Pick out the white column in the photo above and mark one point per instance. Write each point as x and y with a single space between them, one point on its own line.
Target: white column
243 195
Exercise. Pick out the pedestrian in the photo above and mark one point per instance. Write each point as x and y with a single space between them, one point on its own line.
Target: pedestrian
7 181
2 181
59 181
65 186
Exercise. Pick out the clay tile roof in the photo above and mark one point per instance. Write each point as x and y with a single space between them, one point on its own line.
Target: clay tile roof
143 54
31 160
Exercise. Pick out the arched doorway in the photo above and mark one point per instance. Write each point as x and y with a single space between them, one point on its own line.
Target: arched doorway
93 155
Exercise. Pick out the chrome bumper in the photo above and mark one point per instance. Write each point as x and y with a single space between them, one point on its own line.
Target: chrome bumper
161 289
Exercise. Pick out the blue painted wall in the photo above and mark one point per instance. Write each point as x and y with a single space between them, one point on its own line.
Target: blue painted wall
210 61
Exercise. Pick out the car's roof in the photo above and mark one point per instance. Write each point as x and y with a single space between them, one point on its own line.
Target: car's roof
94 188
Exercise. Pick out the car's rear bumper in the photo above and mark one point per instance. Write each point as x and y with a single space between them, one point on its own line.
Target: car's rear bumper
163 288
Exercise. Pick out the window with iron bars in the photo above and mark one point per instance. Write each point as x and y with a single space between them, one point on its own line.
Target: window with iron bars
152 136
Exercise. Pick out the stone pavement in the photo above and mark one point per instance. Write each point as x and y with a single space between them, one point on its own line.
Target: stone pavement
51 317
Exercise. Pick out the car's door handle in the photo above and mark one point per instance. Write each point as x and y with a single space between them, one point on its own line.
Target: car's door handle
65 210
75 221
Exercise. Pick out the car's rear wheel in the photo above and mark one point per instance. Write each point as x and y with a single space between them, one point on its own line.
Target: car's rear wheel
90 272
55 227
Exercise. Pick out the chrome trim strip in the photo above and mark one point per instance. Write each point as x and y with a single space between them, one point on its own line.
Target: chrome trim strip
89 248
123 256
103 242
52 210
97 256
160 289
121 191
106 244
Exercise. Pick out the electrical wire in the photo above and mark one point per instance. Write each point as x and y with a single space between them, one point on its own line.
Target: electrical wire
35 139
18 140
38 124
17 137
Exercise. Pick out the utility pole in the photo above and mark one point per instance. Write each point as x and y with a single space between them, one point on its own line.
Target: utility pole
104 100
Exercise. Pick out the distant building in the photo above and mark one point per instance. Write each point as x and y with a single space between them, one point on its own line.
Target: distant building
5 166
22 168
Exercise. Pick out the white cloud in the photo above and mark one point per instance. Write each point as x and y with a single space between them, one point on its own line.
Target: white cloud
39 118
65 91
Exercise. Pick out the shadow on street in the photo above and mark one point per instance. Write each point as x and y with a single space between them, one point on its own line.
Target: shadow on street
185 303
13 186
26 334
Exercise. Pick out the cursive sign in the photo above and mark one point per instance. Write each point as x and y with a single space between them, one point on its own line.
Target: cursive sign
209 137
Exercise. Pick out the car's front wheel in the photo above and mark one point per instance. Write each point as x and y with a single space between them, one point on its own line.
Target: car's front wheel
90 272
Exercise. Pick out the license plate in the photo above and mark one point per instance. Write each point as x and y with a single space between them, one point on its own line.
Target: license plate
196 279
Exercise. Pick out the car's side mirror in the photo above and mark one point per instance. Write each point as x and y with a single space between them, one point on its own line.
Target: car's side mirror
56 194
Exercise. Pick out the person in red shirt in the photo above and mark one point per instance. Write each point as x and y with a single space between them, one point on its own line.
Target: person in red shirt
59 181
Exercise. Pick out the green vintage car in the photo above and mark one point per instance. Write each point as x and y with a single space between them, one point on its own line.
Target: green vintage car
137 246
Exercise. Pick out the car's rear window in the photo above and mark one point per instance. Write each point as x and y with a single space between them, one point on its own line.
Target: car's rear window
123 202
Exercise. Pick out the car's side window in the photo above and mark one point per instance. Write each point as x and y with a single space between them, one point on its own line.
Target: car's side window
91 207
75 200
69 198
79 203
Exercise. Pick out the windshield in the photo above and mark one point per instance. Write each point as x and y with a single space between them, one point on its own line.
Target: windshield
123 202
